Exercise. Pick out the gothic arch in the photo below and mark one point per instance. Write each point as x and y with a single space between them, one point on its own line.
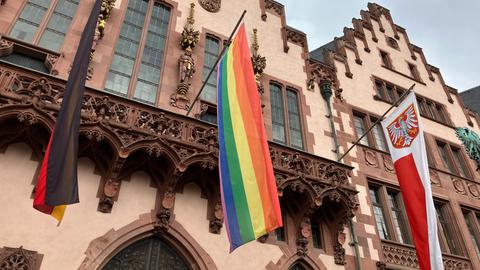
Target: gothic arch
103 248
307 262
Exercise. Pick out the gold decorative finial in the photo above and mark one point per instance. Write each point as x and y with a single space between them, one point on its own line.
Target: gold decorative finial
255 42
191 19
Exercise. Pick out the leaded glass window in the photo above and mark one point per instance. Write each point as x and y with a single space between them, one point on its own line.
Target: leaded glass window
360 129
379 215
32 15
448 243
294 120
379 137
57 27
147 254
130 44
278 114
212 49
399 223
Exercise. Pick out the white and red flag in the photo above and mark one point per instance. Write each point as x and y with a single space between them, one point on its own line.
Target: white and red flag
404 134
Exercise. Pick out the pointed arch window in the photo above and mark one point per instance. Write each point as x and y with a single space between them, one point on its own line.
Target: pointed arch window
137 62
29 25
149 254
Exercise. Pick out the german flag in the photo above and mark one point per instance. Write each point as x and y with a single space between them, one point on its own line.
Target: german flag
57 182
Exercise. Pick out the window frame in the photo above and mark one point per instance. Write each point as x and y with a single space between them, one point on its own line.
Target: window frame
142 43
385 59
286 115
221 44
43 25
383 192
449 151
368 121
429 108
414 71
452 227
473 217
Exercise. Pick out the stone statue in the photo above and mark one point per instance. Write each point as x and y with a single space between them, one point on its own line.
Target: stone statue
186 66
471 142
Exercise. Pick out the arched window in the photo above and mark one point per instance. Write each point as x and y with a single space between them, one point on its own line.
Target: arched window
28 25
149 254
137 62
299 265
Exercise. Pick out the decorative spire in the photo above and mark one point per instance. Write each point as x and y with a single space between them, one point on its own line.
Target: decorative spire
255 42
259 62
186 62
190 36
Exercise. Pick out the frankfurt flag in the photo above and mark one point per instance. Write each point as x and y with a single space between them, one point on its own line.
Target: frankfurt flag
405 140
57 181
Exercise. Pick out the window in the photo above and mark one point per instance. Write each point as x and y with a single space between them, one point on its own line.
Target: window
147 19
316 235
280 233
26 61
286 121
390 217
360 128
375 138
209 114
388 92
27 26
392 42
379 213
399 221
446 233
414 71
386 62
453 159
473 225
430 109
212 50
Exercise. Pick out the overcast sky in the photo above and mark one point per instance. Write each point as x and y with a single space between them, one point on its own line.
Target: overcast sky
448 31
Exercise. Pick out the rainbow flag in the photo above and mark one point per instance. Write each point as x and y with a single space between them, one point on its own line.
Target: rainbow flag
249 192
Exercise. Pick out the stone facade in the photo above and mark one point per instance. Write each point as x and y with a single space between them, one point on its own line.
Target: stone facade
150 172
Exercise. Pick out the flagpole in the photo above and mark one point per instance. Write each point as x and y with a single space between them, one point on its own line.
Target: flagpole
378 121
216 62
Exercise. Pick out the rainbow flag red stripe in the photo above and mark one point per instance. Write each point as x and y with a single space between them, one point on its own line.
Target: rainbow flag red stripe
249 192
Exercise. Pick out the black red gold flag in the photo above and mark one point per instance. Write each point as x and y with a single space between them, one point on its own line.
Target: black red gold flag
57 182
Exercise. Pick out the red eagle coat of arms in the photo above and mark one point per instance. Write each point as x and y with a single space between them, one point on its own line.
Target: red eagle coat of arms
404 129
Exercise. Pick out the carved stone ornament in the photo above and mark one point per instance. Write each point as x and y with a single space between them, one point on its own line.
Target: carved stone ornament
164 214
339 251
388 164
259 63
6 47
2 2
216 223
473 190
371 158
434 178
302 240
211 5
459 185
17 259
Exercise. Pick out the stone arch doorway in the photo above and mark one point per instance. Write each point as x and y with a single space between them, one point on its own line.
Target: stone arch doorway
151 253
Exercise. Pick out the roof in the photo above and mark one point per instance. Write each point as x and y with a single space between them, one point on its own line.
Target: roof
318 54
471 98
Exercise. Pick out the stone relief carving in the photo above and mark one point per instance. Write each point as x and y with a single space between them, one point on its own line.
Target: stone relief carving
259 63
211 5
339 251
302 239
164 213
18 259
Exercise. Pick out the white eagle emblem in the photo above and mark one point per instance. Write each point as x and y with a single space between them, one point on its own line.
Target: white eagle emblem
403 130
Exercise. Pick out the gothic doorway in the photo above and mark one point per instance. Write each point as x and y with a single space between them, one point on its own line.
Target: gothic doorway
151 253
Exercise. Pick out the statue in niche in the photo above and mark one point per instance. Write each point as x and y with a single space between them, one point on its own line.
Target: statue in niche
186 65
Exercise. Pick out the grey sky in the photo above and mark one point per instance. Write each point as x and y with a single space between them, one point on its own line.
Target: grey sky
448 31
